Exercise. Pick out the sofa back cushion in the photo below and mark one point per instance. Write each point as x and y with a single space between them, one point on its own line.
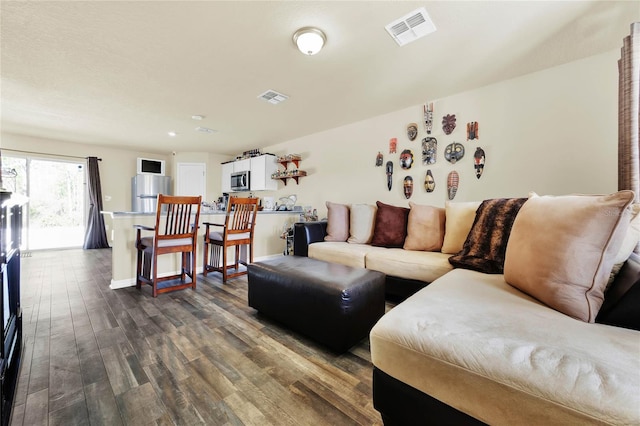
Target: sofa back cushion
391 226
486 244
361 223
425 228
561 249
459 218
622 299
337 222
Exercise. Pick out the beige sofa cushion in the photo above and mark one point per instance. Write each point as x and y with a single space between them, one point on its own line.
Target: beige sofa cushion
475 343
337 222
341 252
459 219
425 228
561 249
361 222
411 264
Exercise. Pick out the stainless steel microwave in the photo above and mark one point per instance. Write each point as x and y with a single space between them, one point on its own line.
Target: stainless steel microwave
240 181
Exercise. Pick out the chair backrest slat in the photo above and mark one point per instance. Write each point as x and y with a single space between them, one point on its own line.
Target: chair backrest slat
175 216
241 215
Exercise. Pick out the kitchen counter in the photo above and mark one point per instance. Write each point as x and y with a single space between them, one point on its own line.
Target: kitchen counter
267 242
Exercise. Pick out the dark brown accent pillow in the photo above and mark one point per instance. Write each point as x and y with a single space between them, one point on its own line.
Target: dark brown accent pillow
486 245
391 226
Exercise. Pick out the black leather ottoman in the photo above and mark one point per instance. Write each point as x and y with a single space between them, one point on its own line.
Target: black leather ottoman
333 304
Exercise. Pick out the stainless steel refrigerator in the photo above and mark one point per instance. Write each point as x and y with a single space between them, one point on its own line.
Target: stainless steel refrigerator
145 190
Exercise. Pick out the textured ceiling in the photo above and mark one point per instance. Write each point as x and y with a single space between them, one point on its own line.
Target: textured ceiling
123 74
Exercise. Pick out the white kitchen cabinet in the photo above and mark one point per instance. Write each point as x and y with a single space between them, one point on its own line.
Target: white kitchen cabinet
227 169
262 167
242 165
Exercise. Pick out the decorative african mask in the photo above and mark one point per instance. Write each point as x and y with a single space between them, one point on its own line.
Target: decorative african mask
406 159
478 161
429 150
429 182
448 123
393 142
389 174
408 186
452 184
472 131
379 159
454 152
412 131
428 117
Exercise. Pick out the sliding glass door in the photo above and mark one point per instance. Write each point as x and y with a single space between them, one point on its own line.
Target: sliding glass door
56 216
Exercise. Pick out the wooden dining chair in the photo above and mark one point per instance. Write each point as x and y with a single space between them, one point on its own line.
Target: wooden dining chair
237 231
175 232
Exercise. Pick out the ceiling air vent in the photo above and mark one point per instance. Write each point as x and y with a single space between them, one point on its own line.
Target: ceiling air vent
273 97
205 130
411 27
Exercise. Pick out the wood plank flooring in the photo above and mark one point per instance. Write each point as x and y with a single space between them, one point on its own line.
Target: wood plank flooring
95 356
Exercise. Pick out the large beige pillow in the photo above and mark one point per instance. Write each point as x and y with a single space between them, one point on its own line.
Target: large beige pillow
561 249
337 222
361 223
459 219
425 228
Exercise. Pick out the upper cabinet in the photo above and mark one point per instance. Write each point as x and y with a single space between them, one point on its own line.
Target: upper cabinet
260 168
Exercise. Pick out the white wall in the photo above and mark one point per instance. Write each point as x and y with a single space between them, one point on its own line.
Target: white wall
553 132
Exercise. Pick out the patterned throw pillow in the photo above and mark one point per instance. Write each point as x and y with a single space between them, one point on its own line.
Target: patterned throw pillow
486 245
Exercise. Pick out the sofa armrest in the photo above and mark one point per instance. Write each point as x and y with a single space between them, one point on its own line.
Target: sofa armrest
305 233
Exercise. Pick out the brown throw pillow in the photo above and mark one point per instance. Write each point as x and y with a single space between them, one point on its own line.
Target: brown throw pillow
425 228
486 244
561 249
391 226
337 222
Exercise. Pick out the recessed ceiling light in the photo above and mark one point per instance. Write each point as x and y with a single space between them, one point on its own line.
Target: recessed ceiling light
172 134
197 117
205 130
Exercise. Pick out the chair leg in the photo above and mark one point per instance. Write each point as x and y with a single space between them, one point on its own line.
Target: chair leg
237 264
192 257
155 275
205 248
224 264
138 269
183 267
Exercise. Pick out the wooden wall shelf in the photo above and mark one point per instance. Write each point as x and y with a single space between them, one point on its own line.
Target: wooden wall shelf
285 175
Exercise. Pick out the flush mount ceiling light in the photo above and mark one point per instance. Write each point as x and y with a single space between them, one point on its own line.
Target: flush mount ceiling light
309 40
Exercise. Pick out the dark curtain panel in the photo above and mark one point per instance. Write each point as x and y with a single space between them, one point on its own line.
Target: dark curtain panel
629 113
96 236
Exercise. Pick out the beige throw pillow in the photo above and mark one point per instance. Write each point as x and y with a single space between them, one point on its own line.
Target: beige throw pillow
561 249
459 219
337 222
425 229
361 223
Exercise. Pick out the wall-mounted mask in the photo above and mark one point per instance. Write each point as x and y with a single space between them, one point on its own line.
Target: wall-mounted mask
429 182
453 180
412 131
379 159
408 186
478 161
454 152
406 159
429 150
448 123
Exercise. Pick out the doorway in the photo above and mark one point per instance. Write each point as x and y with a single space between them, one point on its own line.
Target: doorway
56 213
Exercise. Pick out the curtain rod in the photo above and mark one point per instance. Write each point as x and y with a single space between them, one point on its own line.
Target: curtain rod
44 153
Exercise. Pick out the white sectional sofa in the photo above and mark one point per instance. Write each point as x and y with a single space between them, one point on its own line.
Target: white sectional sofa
548 340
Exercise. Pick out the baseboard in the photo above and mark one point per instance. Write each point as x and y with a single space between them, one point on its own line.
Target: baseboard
131 282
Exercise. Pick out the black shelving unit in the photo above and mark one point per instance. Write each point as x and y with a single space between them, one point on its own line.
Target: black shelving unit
11 313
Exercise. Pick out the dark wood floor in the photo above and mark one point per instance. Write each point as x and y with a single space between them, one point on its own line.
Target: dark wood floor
98 356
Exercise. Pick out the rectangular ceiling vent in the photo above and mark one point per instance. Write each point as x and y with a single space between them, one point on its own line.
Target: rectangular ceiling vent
411 27
273 97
